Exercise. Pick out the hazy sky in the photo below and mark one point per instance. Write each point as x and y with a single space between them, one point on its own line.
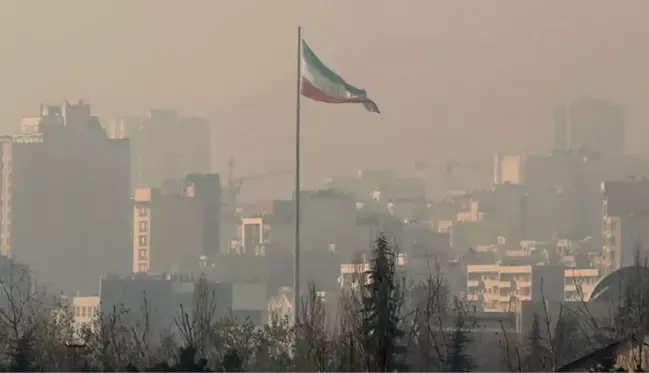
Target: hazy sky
451 77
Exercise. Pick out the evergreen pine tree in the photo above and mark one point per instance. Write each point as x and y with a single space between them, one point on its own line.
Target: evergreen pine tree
459 360
382 307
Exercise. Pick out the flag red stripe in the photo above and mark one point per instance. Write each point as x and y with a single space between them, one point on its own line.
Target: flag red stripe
314 93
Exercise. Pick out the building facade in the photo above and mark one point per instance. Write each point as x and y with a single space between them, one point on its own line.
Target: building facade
6 165
65 197
502 287
591 126
175 227
85 311
625 225
167 295
164 145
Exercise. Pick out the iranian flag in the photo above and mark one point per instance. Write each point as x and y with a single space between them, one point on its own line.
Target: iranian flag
320 83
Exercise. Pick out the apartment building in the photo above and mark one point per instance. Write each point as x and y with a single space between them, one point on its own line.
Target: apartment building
85 311
503 287
176 227
356 274
580 283
64 195
625 228
327 223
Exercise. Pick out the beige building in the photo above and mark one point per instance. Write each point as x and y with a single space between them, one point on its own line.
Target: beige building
503 287
85 311
351 275
174 230
6 155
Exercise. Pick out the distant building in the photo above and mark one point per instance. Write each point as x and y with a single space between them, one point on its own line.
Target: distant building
590 125
6 154
164 145
85 311
563 190
167 294
503 287
267 231
64 190
357 274
625 222
327 223
174 227
404 197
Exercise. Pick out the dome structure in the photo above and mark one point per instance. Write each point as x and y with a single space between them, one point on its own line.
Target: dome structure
611 287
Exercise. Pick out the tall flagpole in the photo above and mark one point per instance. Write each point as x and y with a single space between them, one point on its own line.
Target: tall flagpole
296 253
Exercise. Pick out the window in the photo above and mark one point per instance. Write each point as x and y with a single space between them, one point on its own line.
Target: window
142 267
142 240
78 311
143 212
83 311
142 254
144 225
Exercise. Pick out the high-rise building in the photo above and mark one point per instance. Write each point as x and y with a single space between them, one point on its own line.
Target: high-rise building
164 145
174 226
588 126
6 153
65 197
560 115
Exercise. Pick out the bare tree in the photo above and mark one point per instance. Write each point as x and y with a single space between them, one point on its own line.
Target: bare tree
194 328
312 340
428 338
21 314
109 341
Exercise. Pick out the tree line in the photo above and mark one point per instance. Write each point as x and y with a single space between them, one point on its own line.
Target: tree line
382 324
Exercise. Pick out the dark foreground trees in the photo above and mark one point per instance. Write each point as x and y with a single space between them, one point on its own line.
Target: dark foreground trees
382 300
381 325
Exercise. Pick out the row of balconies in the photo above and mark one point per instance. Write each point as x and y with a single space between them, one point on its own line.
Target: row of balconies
518 284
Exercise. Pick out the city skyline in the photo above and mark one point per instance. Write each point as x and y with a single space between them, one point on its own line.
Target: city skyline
427 71
166 206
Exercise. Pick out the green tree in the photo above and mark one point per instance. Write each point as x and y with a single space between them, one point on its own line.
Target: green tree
382 301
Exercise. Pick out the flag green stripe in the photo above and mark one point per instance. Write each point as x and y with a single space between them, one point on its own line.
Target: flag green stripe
313 62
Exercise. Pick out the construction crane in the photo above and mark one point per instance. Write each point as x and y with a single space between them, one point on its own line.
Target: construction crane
235 184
